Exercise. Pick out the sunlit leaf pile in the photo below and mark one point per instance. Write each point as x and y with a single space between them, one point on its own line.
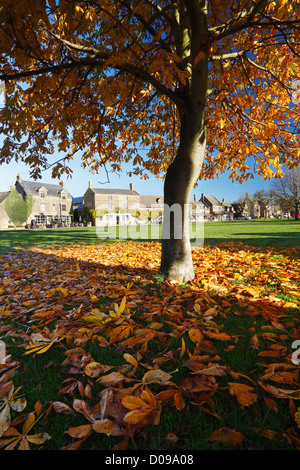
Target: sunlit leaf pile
174 340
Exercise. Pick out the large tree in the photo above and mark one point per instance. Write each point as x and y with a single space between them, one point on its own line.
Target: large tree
286 191
199 85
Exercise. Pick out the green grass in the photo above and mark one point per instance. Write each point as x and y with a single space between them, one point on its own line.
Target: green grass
267 232
270 232
42 377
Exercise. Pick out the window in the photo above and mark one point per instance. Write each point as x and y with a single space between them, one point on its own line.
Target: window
63 196
109 197
42 195
64 207
40 219
53 207
109 206
42 207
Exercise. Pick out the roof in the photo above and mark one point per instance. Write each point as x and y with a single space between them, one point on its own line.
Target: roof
31 187
228 204
149 201
199 203
124 192
213 200
78 200
3 196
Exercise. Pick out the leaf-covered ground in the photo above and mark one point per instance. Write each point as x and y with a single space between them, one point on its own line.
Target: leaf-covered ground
99 352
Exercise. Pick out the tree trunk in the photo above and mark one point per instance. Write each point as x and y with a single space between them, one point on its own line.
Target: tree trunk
176 256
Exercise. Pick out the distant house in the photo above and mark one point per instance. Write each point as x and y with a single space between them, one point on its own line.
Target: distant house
238 208
105 200
52 203
151 202
153 207
252 208
4 219
214 208
196 210
229 210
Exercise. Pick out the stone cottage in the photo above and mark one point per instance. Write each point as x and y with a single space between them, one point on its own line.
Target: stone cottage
108 202
4 219
52 203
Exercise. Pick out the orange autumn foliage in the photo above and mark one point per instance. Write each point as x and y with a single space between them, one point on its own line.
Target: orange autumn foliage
135 392
106 83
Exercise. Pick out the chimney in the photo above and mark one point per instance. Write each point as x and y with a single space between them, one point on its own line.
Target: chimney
195 197
90 184
19 177
131 186
62 184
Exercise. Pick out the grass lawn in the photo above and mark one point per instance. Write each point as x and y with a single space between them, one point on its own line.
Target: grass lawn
267 232
106 355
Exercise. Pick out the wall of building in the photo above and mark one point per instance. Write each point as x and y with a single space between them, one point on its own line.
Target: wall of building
4 220
50 205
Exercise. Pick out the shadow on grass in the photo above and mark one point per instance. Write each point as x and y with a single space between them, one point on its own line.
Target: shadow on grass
13 238
274 240
44 272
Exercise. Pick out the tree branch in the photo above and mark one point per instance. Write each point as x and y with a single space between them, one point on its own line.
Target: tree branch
93 62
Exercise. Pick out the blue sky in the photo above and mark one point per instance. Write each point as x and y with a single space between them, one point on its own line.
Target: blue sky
221 187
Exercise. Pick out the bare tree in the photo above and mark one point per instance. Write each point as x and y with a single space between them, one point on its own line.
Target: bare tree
287 190
264 200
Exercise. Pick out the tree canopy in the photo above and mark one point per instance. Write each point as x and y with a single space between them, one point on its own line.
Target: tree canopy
180 88
108 79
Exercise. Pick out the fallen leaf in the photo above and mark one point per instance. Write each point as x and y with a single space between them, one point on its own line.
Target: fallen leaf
94 369
60 407
156 376
195 335
226 436
243 393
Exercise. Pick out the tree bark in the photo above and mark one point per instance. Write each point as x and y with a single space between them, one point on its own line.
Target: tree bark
176 256
296 211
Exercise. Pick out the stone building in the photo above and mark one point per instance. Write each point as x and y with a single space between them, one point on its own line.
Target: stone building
151 208
52 203
4 219
252 207
111 201
228 210
213 209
